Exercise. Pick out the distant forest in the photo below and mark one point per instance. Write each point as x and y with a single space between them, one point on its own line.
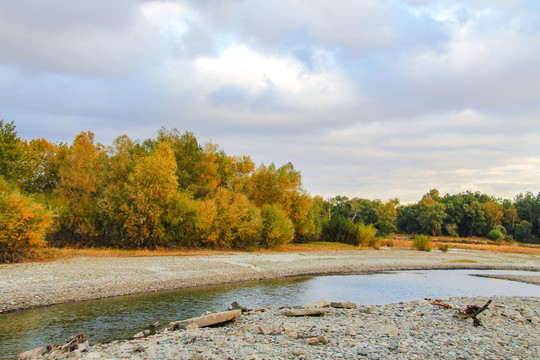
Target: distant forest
174 191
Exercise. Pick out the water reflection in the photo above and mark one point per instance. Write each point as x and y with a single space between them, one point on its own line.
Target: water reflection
121 317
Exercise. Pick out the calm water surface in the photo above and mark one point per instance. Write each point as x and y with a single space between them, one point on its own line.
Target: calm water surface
122 317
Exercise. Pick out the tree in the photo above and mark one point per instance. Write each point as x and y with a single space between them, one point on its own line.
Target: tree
23 223
431 215
80 184
277 228
386 217
229 220
12 164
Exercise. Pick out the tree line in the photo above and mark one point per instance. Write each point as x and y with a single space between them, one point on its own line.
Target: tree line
173 191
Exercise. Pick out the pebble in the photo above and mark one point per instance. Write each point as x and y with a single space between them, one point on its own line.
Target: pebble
393 331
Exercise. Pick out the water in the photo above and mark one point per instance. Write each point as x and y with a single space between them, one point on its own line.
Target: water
122 317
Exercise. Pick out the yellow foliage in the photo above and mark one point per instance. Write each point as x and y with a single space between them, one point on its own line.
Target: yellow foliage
23 224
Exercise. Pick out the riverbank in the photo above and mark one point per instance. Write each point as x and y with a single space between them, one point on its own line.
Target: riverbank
415 330
39 284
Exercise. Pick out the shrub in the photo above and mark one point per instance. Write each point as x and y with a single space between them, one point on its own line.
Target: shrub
277 228
341 229
495 235
421 243
23 223
389 243
368 235
444 247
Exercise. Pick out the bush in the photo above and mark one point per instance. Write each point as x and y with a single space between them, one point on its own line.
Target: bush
421 243
495 235
389 243
23 223
444 247
341 229
368 235
277 228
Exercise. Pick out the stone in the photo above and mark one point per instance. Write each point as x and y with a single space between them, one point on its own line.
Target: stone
196 356
303 312
297 352
150 353
75 354
321 340
293 334
317 304
82 347
207 320
350 331
265 330
391 330
343 305
92 356
138 335
368 310
31 354
392 345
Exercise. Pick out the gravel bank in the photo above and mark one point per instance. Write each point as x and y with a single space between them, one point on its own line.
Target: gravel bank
39 284
415 330
522 278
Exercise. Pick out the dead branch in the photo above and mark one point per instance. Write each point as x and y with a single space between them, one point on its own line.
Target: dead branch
471 311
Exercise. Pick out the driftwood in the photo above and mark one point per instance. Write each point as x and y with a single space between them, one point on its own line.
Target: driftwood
471 311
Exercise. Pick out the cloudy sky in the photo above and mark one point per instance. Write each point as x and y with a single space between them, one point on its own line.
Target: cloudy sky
368 98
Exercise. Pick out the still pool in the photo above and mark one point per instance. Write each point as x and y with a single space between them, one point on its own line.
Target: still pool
121 317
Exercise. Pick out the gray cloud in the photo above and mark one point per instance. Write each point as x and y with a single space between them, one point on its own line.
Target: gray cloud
367 98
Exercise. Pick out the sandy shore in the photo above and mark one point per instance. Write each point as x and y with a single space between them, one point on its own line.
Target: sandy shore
39 284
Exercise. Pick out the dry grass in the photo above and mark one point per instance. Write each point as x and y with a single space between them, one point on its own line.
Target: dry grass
399 241
474 244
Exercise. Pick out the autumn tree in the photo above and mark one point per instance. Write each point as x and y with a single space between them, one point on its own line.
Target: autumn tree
23 224
80 184
229 220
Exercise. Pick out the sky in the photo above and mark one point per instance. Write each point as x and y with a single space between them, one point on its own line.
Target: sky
374 98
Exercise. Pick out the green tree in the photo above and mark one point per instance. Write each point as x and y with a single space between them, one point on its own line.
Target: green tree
431 215
277 228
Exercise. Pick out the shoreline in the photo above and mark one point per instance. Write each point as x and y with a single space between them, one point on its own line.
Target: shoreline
418 329
24 286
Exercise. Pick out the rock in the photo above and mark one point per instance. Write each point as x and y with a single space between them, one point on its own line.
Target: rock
197 356
343 305
207 320
391 330
31 354
138 335
368 310
297 352
264 330
321 340
293 334
75 354
150 353
392 345
350 331
82 347
317 304
92 356
192 326
303 312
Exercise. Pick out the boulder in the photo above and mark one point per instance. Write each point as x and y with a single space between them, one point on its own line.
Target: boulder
207 320
30 354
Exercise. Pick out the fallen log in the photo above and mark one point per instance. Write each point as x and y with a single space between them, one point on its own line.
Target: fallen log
207 320
471 311
303 312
